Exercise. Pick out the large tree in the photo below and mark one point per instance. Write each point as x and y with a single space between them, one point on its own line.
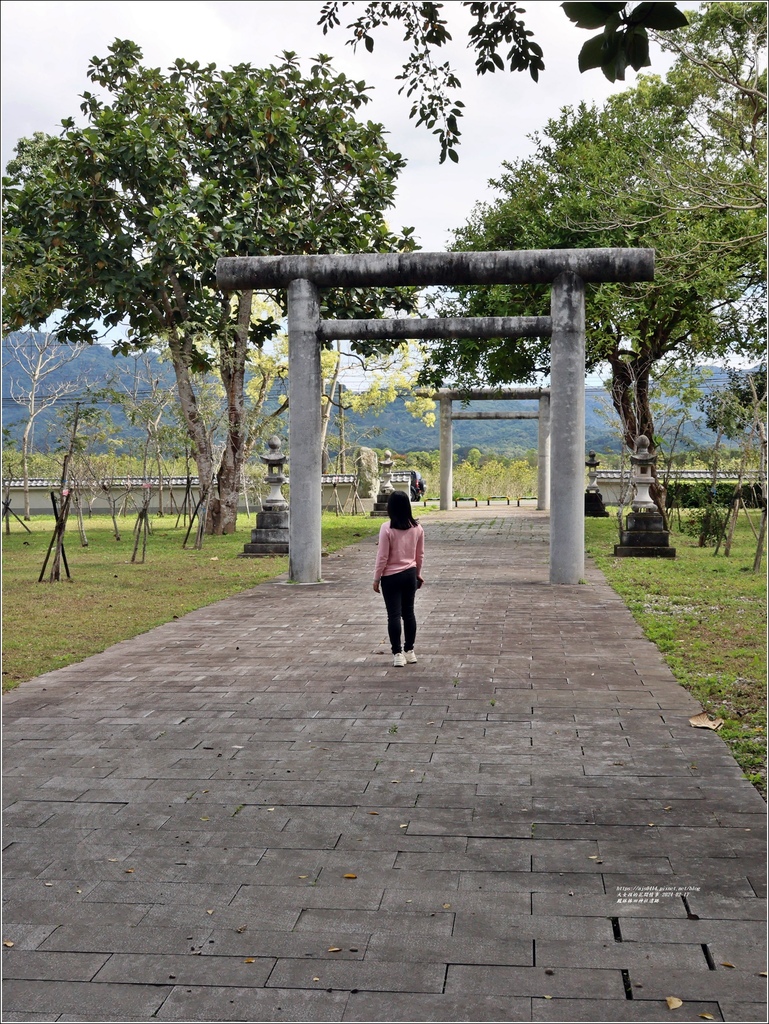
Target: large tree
629 174
124 219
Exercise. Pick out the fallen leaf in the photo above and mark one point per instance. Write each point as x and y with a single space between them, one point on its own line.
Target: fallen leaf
48 885
316 979
250 960
335 949
349 876
651 824
593 856
241 929
112 860
209 911
395 781
373 812
304 876
725 963
403 826
762 974
667 808
409 901
8 943
270 808
706 1016
674 1002
205 819
129 871
547 997
78 890
703 721
446 906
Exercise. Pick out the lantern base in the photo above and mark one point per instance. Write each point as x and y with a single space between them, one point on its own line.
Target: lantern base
594 506
645 536
270 536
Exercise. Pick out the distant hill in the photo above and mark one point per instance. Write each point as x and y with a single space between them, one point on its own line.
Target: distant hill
94 369
394 428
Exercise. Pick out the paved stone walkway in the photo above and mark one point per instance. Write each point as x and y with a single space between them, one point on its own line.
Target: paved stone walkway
248 814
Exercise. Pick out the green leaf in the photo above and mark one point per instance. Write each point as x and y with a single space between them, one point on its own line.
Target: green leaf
636 45
592 54
661 16
591 15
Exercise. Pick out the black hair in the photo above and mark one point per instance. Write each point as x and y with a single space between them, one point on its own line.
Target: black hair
399 511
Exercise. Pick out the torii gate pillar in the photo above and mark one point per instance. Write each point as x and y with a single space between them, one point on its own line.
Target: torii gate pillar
447 452
304 520
567 425
543 453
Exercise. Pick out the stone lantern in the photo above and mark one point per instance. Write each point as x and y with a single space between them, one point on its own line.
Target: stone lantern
271 534
643 463
644 535
594 506
275 460
386 485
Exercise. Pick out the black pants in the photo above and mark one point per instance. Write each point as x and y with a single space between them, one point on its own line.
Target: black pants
398 592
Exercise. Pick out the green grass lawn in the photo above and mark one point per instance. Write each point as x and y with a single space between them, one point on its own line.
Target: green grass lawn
49 625
707 615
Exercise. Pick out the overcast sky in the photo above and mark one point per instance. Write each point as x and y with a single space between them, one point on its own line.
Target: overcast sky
46 47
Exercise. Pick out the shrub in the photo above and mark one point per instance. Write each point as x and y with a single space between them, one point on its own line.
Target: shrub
699 494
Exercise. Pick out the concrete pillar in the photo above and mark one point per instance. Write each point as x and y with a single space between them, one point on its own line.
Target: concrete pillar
447 453
567 426
304 433
543 454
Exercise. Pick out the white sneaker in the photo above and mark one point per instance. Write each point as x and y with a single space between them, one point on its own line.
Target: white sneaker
399 660
411 658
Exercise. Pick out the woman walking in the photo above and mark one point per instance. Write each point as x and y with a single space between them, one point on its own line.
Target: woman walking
398 570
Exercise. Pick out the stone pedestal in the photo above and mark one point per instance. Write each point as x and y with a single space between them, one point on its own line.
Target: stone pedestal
270 536
644 536
594 506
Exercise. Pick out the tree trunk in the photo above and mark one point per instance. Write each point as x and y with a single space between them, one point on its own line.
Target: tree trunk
202 453
325 415
630 397
233 372
25 468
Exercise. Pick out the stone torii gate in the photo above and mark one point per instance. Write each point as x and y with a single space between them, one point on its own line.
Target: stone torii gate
565 270
445 397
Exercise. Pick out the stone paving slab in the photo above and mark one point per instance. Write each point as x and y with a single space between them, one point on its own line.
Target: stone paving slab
526 812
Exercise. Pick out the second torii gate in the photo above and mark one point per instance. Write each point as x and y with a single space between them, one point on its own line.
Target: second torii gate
565 270
446 396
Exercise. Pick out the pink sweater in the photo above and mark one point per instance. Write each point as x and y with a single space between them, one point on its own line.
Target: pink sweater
399 550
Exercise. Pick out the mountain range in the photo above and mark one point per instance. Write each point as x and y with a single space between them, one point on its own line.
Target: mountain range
393 428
